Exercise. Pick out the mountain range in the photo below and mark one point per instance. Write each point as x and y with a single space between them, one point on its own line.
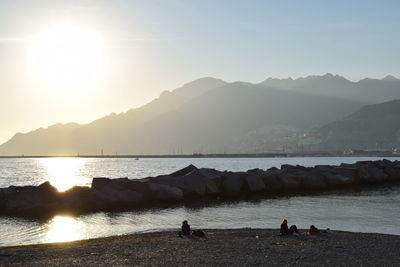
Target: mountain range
210 115
373 127
371 91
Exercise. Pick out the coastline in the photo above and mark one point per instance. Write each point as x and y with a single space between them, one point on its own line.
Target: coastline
233 247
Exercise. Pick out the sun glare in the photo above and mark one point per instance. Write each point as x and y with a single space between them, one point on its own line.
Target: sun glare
63 172
67 57
62 229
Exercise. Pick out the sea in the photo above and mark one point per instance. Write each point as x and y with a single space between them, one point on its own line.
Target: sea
371 210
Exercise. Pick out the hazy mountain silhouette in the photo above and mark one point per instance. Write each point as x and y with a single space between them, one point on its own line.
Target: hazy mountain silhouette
372 127
71 138
369 91
204 116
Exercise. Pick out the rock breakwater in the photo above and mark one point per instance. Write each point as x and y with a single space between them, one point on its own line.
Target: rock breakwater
191 184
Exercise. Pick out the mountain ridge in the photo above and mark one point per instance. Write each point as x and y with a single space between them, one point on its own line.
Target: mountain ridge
268 116
367 90
373 127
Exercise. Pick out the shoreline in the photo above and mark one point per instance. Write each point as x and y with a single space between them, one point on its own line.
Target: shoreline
234 247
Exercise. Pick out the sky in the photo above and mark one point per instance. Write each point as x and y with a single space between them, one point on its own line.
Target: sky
76 61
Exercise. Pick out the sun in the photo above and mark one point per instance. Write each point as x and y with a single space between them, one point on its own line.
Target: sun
67 57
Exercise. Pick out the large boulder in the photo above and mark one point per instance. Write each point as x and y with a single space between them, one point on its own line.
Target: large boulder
162 192
211 178
302 178
371 175
31 200
213 174
5 194
313 179
196 183
291 180
393 173
83 199
115 191
271 180
232 183
339 176
138 185
254 182
364 163
347 165
382 164
184 171
288 167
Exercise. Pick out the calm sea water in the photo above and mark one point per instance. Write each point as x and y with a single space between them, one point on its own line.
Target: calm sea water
373 210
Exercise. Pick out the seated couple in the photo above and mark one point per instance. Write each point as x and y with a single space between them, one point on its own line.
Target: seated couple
285 230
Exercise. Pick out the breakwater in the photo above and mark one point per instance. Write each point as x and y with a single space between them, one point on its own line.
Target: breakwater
191 184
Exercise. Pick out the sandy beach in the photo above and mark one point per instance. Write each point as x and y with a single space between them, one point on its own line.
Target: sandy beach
232 247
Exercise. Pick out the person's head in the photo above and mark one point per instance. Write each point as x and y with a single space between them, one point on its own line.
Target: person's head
185 222
284 221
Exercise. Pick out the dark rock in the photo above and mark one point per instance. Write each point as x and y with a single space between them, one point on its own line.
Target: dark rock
364 163
271 180
382 164
291 179
324 167
115 191
292 167
313 179
194 184
82 199
184 171
139 186
393 173
371 175
233 182
31 199
162 192
100 182
256 170
347 165
340 176
255 182
213 174
287 166
7 192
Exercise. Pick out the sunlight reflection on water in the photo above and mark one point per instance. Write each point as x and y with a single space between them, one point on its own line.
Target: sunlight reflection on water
62 229
63 172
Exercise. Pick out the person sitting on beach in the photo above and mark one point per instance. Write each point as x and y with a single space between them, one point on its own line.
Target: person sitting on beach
285 230
313 230
185 229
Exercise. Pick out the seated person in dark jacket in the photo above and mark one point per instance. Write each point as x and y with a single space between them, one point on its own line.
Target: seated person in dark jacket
185 229
285 230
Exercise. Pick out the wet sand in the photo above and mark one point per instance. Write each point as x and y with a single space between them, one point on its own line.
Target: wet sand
232 247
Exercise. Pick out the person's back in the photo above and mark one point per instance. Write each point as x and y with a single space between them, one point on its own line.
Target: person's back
185 228
284 228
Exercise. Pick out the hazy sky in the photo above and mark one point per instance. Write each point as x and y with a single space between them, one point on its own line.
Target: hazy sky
63 61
